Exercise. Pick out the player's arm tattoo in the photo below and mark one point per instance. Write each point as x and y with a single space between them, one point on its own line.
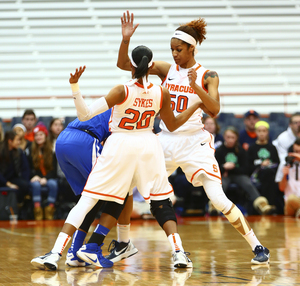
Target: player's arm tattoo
211 74
125 42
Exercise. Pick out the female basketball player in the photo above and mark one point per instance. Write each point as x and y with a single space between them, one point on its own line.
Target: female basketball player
190 146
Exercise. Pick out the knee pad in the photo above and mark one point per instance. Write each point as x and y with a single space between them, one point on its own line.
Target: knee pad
163 211
114 209
237 219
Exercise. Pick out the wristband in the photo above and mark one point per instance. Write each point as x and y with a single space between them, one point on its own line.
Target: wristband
75 87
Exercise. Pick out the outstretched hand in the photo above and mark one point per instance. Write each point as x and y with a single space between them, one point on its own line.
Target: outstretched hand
127 25
75 77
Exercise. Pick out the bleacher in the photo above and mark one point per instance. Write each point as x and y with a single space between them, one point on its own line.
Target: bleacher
253 45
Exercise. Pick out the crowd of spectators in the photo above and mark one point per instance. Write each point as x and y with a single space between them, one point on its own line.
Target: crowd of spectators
258 174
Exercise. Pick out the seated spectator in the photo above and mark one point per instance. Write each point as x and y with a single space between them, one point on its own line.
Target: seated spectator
55 127
21 130
290 182
247 136
1 132
212 126
232 160
43 166
29 121
263 163
284 141
14 168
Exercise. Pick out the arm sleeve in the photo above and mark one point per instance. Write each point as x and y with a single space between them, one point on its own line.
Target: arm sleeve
85 112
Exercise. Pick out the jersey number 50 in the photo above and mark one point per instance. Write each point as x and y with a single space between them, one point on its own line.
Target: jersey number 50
139 121
181 103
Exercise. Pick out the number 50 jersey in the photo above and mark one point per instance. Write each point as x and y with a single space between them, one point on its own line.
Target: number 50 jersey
183 96
137 112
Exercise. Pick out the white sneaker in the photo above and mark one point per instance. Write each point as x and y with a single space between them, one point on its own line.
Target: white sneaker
72 259
120 250
47 261
180 260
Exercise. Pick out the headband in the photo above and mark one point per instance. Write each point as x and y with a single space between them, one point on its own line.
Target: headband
145 83
19 125
262 123
186 38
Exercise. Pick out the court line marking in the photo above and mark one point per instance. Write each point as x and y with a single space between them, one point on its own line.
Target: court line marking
22 234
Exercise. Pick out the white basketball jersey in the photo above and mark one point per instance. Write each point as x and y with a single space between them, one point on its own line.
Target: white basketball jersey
137 112
183 96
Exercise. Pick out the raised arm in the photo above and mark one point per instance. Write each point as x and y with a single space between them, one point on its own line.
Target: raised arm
127 31
167 115
85 112
160 68
211 100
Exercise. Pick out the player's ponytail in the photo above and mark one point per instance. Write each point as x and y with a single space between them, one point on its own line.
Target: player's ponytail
141 59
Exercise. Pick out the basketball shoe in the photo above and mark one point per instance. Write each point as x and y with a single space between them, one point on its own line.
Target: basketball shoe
72 259
47 261
262 255
92 253
120 250
181 260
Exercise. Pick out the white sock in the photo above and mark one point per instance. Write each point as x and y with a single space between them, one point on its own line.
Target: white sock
61 242
175 242
123 232
252 239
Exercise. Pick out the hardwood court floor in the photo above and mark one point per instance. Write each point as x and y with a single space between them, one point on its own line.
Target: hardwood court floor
220 255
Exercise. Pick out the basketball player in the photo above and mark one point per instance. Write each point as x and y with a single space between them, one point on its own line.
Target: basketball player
190 146
77 149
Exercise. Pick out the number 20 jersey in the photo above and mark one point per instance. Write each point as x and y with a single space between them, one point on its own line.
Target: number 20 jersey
138 110
183 96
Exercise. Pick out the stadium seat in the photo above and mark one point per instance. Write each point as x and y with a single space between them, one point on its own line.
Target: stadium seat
46 120
15 120
69 119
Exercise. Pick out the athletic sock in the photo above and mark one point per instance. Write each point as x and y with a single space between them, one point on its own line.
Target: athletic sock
61 242
175 242
78 239
252 239
123 232
99 234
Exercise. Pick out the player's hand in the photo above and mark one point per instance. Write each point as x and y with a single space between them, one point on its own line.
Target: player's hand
192 75
75 77
127 25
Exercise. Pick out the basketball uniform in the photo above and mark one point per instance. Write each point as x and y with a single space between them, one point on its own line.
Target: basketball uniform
190 146
78 146
132 155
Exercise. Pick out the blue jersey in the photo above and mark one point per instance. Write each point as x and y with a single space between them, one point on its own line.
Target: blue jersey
98 125
77 151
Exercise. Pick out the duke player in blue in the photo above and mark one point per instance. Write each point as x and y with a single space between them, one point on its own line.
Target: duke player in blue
77 149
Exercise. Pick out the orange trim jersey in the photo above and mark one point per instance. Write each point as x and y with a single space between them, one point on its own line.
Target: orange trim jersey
137 112
183 96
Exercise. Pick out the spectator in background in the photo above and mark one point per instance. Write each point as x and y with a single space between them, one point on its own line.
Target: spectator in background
232 160
284 141
29 121
21 130
14 168
43 166
290 182
248 135
263 162
1 132
55 127
212 126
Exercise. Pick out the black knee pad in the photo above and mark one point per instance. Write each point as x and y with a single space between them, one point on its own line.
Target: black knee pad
89 218
114 209
163 211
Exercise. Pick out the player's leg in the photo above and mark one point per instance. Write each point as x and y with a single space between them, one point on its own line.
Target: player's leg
123 247
73 221
215 193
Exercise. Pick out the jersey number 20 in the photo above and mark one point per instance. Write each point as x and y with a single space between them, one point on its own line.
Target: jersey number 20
139 121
